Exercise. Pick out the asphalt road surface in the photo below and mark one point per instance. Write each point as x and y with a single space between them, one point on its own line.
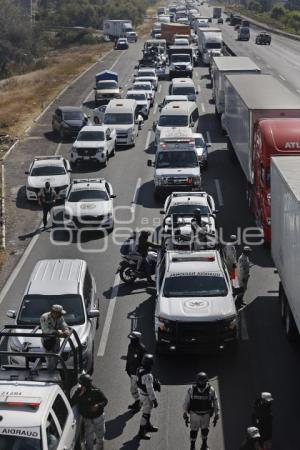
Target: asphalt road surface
265 361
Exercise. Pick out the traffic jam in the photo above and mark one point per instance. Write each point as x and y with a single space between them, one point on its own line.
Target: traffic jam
52 397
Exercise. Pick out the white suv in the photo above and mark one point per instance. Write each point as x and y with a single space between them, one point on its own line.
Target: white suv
69 283
54 169
89 204
195 309
94 143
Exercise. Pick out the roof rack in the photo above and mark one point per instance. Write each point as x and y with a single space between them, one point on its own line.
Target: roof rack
32 370
189 194
38 158
88 180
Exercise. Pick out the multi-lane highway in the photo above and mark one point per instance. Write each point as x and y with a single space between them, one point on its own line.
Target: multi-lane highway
265 360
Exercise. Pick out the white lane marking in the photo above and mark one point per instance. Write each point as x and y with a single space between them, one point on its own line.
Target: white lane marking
244 328
88 96
10 149
3 205
117 60
148 140
298 90
58 149
280 76
159 89
199 88
109 317
219 192
203 107
155 109
208 138
135 195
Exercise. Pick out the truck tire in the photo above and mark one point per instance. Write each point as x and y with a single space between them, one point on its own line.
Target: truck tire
230 150
290 325
282 302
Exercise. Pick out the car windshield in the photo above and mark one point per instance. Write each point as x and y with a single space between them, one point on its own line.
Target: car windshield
180 58
118 119
95 195
209 284
210 45
106 85
43 171
142 87
73 115
183 90
175 159
199 142
188 209
19 442
34 305
146 74
173 121
91 136
136 96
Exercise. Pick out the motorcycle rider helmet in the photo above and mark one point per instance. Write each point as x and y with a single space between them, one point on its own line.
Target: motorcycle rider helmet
266 397
247 250
145 234
85 380
201 380
197 213
253 433
232 238
148 360
135 335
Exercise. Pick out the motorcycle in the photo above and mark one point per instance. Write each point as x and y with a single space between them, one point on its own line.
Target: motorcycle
128 266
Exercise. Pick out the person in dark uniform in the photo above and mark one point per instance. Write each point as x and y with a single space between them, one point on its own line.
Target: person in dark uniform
46 199
143 247
262 418
91 402
135 353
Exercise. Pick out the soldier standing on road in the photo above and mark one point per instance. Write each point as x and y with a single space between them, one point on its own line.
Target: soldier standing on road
262 418
199 231
46 199
200 404
135 353
252 440
91 403
53 323
243 272
230 256
147 385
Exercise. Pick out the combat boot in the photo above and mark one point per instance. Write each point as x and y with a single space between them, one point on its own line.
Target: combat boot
193 446
143 434
151 428
204 445
136 406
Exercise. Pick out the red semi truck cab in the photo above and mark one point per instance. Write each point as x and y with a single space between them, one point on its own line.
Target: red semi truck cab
271 137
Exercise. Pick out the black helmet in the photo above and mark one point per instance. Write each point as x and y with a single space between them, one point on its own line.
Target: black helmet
47 185
197 212
145 233
148 360
201 379
85 380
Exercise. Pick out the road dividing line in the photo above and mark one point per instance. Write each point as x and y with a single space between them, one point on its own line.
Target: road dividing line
109 317
244 328
155 109
135 195
58 149
159 89
219 193
203 107
199 88
208 138
280 76
117 60
148 140
88 96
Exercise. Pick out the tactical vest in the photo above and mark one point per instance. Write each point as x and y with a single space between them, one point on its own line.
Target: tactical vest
140 373
48 195
201 402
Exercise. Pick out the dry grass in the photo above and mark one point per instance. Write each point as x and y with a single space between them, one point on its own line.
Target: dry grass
23 97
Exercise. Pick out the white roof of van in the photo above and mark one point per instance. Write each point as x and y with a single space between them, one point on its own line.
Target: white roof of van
235 63
177 107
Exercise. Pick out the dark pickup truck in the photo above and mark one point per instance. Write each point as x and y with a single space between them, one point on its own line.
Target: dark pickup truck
263 39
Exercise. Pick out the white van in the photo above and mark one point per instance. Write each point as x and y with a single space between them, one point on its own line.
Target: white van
121 114
183 86
177 115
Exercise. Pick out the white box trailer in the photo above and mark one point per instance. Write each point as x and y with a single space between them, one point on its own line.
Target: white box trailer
203 36
227 65
116 28
285 241
248 99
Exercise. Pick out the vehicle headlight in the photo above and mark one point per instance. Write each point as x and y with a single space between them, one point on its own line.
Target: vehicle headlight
84 344
172 66
196 180
163 324
158 180
74 149
67 215
231 324
100 150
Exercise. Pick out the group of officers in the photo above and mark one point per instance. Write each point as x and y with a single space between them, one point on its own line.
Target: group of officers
200 405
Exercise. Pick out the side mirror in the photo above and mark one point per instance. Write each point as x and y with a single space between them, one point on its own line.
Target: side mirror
121 88
93 313
208 145
70 170
26 172
192 124
136 67
113 196
149 163
160 106
11 313
94 88
162 211
197 92
216 211
154 125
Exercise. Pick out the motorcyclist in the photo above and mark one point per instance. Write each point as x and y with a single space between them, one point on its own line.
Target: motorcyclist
252 440
262 418
143 247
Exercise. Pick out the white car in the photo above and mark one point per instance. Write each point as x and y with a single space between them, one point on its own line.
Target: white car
142 100
172 98
145 86
54 169
201 149
94 143
150 73
98 114
181 205
89 203
195 309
